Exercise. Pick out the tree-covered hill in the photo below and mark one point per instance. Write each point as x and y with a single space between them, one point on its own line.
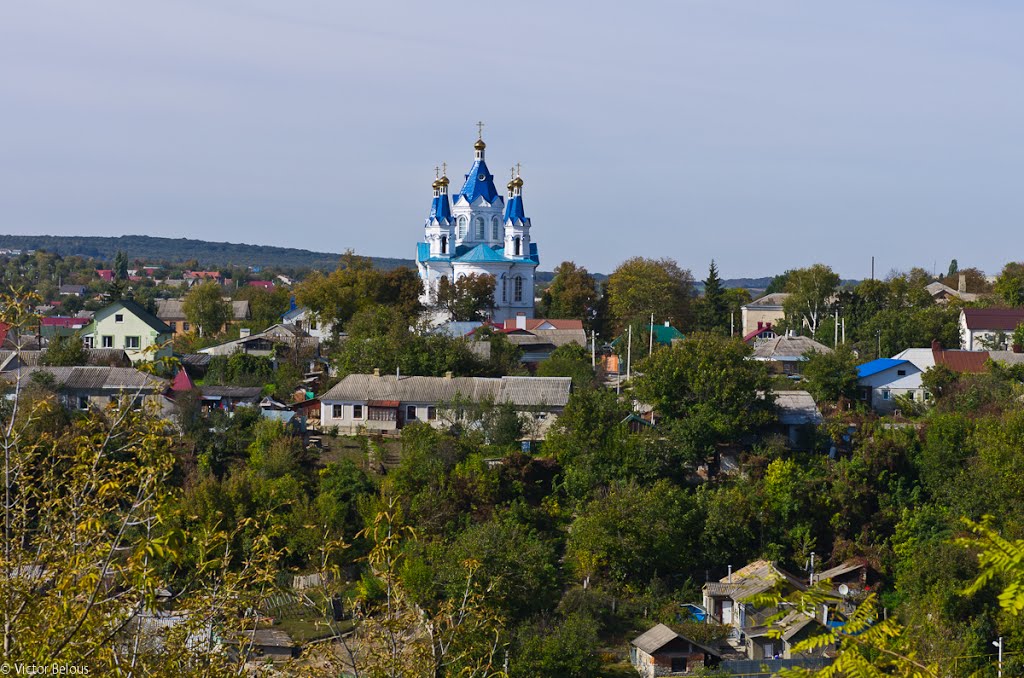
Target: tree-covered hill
210 254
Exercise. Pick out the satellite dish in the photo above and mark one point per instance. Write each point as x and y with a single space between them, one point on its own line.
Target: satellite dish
844 590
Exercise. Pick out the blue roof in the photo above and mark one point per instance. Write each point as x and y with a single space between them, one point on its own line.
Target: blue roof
514 209
484 253
876 366
440 208
475 186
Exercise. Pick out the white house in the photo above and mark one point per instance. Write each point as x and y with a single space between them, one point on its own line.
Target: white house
478 232
306 320
386 403
880 381
983 329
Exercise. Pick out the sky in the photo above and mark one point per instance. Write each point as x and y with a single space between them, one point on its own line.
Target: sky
764 134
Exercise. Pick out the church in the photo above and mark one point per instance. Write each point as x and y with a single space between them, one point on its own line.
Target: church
479 231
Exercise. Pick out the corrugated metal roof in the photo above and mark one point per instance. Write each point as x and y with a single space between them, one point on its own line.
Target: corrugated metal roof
880 365
96 378
791 347
775 299
961 361
1005 319
522 391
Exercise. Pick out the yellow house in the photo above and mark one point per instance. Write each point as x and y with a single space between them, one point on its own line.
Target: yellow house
172 312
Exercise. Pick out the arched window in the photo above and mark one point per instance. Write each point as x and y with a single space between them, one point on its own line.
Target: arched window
480 235
518 294
517 249
444 244
504 283
463 225
495 229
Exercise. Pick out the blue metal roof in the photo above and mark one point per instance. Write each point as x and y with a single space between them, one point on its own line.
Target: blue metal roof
876 366
514 209
484 253
479 182
440 208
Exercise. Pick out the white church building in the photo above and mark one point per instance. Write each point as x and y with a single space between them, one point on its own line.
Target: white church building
478 232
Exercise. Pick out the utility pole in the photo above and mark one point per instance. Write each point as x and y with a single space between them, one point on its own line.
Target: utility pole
872 268
593 349
999 644
844 329
629 354
732 323
650 344
835 338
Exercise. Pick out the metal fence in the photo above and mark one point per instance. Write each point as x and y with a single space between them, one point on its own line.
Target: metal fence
757 668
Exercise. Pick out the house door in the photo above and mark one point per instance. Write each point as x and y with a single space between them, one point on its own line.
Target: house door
769 650
727 612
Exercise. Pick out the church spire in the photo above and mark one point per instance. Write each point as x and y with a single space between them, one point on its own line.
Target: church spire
479 146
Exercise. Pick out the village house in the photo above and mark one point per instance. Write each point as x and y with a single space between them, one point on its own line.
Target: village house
126 325
55 325
84 388
762 332
172 312
97 357
265 343
386 403
881 380
726 600
798 417
306 320
539 337
763 642
766 310
660 651
786 354
943 294
984 329
72 290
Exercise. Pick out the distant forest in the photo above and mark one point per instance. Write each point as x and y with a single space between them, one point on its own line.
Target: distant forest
209 254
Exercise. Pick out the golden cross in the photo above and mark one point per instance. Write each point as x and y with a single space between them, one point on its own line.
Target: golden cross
480 130
436 170
518 173
444 169
512 172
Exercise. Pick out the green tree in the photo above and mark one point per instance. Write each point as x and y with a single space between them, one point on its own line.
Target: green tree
831 376
557 649
639 287
1010 284
572 294
953 268
708 378
65 351
810 294
120 266
471 297
569 360
206 309
713 307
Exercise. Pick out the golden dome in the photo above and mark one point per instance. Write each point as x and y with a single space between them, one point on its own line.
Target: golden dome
436 185
517 182
443 181
479 145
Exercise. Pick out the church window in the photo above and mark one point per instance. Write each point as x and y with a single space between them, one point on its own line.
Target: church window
444 244
480 228
504 292
495 229
463 225
518 294
517 250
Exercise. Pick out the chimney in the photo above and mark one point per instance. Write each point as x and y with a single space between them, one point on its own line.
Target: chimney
376 371
760 325
244 332
448 375
520 321
962 287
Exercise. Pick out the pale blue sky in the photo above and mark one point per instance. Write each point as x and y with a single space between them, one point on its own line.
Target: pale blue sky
765 134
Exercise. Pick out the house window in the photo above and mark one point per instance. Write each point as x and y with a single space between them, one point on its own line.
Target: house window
518 290
337 411
131 342
480 228
83 402
119 318
901 373
678 664
312 324
88 342
184 327
431 413
495 229
885 394
174 326
357 411
410 412
107 341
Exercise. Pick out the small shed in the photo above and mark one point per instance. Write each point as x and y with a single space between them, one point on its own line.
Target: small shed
662 652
